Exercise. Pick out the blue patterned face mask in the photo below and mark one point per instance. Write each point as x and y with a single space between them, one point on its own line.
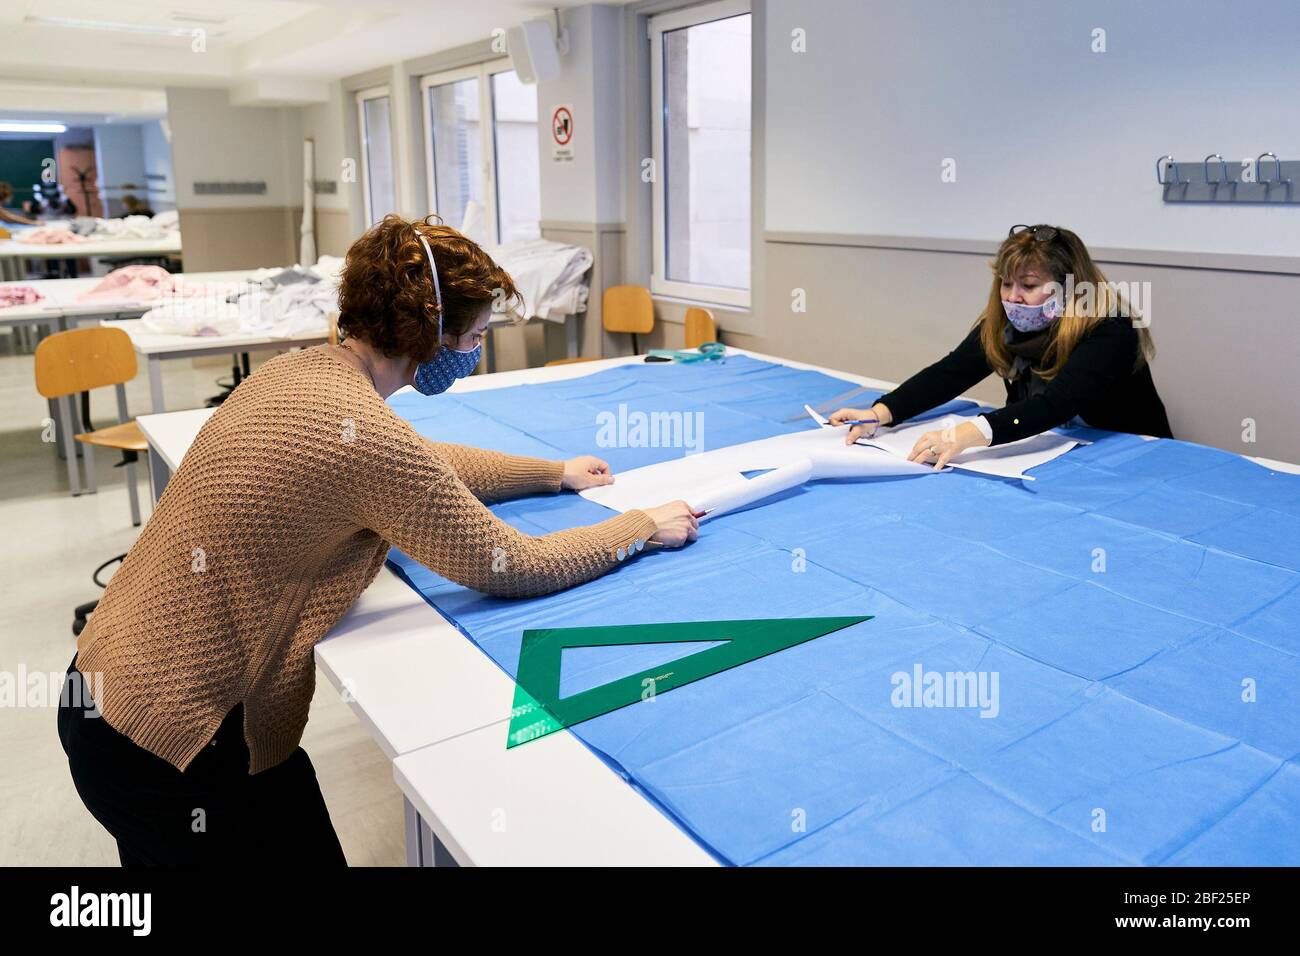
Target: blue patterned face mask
438 374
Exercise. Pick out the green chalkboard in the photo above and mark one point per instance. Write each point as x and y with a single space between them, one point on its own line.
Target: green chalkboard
21 164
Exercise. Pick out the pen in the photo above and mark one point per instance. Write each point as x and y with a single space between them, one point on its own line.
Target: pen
856 421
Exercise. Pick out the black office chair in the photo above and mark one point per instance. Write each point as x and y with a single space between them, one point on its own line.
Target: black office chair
82 611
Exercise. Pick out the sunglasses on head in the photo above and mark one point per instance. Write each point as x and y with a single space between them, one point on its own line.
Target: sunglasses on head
1040 233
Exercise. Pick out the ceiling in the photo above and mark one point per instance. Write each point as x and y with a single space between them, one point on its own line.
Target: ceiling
146 43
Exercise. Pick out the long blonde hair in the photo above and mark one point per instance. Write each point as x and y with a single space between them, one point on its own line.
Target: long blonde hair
1061 256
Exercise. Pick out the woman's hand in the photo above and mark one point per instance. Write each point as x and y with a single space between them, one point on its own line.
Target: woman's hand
879 412
676 522
942 445
585 471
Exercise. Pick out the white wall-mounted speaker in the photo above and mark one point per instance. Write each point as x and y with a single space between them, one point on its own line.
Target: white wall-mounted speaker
533 51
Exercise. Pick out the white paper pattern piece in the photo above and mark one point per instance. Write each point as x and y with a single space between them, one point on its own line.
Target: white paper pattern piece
749 490
816 416
1011 460
714 481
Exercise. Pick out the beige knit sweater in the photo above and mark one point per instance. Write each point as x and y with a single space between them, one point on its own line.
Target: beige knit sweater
276 521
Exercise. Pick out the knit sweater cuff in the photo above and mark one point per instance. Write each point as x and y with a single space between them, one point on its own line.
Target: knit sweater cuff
624 536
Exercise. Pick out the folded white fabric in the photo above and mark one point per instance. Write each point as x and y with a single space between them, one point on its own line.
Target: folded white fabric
279 303
202 315
131 227
329 267
169 220
291 310
551 276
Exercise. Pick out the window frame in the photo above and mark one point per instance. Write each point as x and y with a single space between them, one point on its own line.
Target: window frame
660 284
483 72
373 93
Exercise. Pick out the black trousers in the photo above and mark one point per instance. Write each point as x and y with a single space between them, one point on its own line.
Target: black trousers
213 814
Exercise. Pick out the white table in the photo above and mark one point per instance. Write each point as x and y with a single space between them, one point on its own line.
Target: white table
13 252
155 349
58 309
61 307
438 708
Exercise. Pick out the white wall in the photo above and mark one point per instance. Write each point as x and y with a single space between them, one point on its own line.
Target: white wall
1042 128
213 141
324 124
119 158
591 188
157 156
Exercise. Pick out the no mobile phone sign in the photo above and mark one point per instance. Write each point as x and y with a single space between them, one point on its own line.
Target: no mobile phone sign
562 134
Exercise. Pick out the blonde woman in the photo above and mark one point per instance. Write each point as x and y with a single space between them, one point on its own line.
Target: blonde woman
1082 361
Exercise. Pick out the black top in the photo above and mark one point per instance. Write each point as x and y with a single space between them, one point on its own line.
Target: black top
1098 383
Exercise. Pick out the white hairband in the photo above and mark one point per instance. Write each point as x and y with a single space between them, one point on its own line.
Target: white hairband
437 289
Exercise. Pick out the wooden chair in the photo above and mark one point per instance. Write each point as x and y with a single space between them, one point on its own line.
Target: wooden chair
625 309
700 327
81 360
334 328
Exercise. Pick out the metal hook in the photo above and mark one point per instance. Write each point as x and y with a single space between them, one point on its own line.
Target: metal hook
1177 180
1277 169
1224 178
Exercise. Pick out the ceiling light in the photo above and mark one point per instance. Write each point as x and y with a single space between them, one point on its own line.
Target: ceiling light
107 25
207 18
15 126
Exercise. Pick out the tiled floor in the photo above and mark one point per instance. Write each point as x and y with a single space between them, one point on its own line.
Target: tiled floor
52 543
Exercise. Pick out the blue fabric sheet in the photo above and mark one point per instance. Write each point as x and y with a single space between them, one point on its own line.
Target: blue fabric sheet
1137 603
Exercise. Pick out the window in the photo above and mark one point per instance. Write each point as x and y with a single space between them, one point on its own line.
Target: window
482 148
375 124
700 91
514 130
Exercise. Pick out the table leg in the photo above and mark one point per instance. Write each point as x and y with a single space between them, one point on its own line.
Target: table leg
441 855
423 848
428 856
412 820
156 385
159 474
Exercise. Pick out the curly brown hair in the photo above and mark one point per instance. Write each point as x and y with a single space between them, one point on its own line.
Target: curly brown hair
386 292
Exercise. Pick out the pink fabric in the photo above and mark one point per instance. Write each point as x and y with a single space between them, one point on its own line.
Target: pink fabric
48 236
137 284
18 295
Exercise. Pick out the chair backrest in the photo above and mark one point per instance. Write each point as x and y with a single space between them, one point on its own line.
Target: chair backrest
82 359
700 327
334 328
628 308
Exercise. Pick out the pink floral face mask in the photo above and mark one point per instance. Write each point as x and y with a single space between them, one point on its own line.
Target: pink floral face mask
1032 318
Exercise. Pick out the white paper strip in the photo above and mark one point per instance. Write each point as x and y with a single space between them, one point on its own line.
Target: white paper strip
749 490
718 474
1011 460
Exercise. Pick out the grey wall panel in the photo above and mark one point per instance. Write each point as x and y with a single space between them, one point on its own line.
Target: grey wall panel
1228 342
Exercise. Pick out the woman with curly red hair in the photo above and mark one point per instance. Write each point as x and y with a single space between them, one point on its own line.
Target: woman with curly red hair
192 681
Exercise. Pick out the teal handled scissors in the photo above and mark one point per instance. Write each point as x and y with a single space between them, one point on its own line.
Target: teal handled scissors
708 352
